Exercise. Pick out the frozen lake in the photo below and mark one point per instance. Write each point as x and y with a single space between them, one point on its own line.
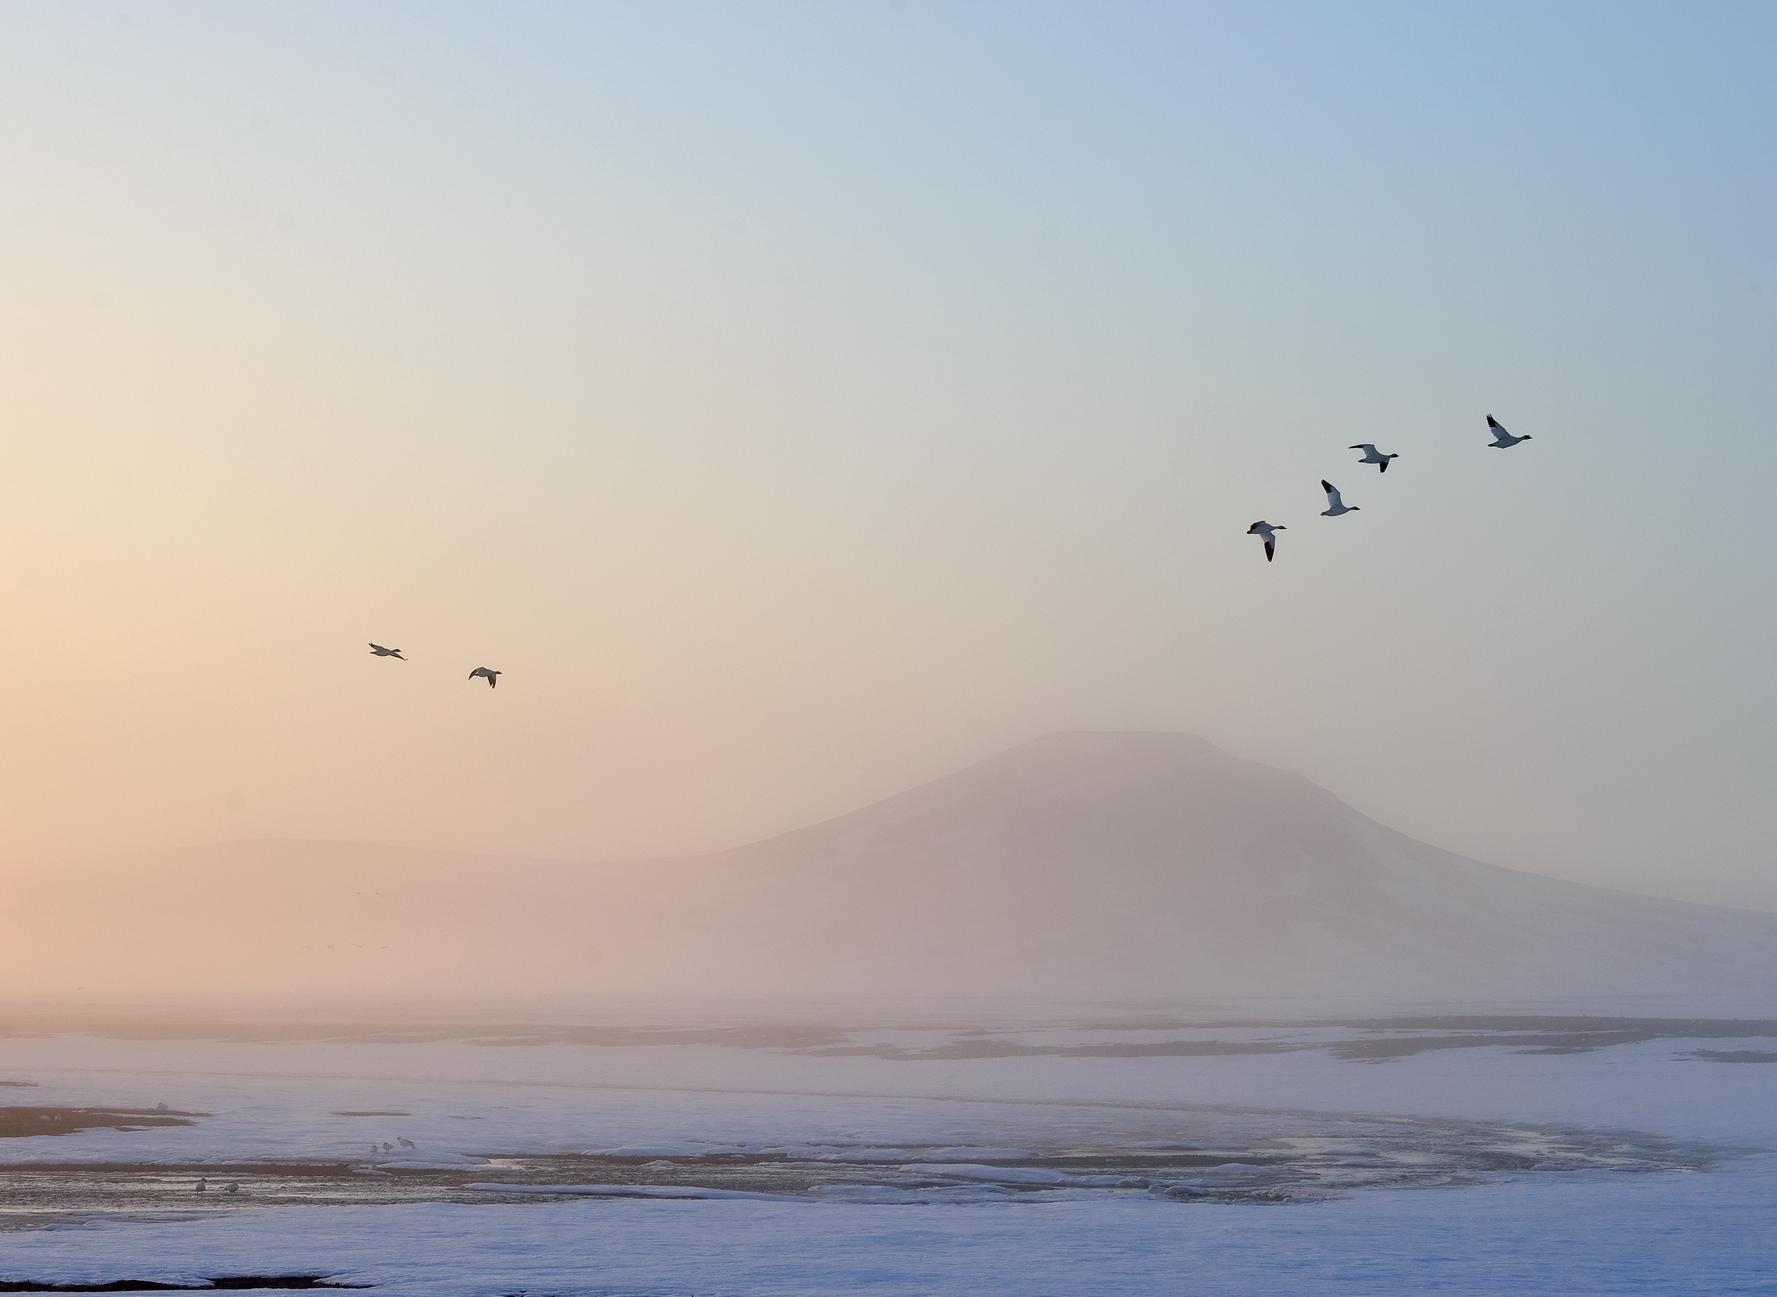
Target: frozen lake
637 1150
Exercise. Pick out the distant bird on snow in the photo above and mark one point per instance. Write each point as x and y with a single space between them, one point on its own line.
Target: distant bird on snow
1373 456
1269 532
202 1186
1335 504
377 650
1502 439
488 674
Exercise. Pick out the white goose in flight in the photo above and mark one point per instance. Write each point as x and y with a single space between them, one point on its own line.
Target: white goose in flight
1372 456
377 650
1269 532
1335 503
1501 438
488 674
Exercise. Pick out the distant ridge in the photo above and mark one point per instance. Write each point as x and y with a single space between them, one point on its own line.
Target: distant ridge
1079 864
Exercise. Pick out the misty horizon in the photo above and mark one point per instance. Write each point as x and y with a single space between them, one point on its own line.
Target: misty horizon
1097 864
1675 893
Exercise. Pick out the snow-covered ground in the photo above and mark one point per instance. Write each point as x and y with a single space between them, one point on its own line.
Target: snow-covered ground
1539 1224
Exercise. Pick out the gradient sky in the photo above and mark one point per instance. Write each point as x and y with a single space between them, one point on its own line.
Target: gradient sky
800 400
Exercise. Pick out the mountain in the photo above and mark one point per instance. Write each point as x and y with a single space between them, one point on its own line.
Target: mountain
1080 865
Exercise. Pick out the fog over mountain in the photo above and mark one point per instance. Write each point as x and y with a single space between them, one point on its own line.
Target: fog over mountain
1083 864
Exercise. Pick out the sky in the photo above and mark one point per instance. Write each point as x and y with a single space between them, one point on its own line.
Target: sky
798 401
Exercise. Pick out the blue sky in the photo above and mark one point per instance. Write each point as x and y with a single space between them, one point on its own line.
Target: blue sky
811 397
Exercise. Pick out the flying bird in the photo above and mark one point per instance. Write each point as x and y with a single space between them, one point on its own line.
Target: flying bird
1373 456
377 650
1269 532
1501 438
1335 504
488 674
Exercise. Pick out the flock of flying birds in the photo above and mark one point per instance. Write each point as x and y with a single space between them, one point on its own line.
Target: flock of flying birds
1502 440
1335 507
484 673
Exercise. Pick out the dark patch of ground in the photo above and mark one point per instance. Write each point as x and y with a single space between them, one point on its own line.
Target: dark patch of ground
221 1283
1211 1156
1539 1035
1385 1038
977 1047
1382 1039
18 1122
1736 1055
1382 1048
139 1024
1648 1028
1371 1039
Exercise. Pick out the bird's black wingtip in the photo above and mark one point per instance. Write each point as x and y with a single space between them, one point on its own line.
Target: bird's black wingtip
1325 485
1492 422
